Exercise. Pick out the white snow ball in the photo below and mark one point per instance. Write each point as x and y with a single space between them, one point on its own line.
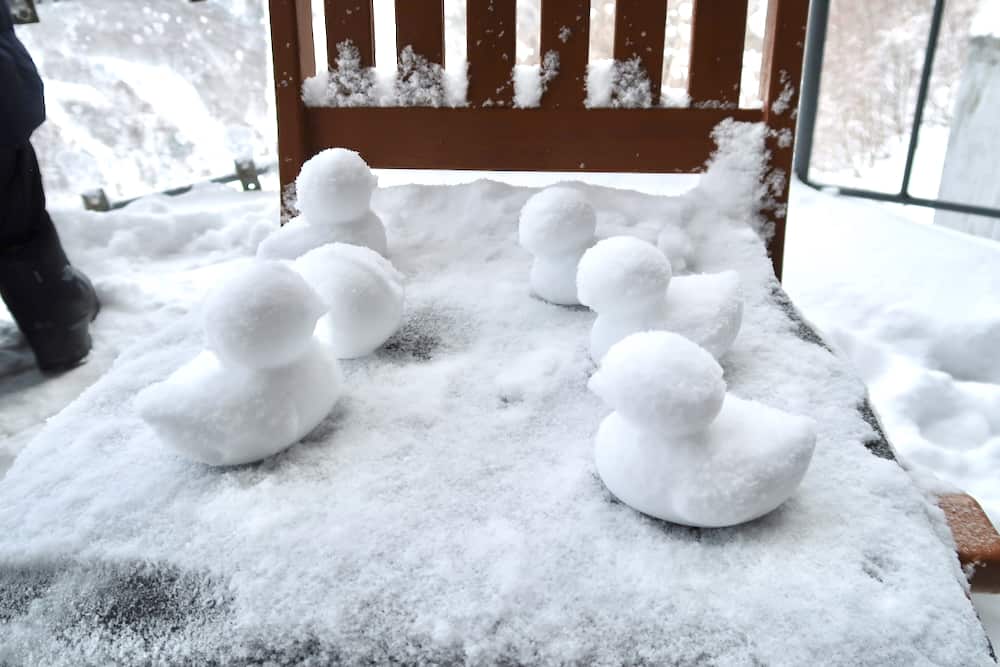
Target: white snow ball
658 379
263 317
556 221
334 186
363 293
621 273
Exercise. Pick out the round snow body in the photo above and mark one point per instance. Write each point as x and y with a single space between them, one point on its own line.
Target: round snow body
675 244
224 416
661 381
334 186
554 279
367 231
263 317
557 221
622 274
363 293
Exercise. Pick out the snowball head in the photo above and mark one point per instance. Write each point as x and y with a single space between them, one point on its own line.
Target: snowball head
557 221
334 186
658 379
263 317
362 291
620 273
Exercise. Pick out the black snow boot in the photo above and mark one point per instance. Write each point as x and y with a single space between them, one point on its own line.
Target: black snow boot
52 302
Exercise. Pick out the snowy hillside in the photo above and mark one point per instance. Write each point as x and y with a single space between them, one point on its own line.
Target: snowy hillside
146 96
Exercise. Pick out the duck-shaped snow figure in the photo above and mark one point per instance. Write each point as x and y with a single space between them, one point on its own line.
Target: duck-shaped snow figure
679 448
630 285
264 382
334 191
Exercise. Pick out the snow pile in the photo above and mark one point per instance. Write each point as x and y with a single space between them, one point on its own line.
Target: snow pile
678 448
263 383
362 292
625 280
448 510
334 191
557 225
531 81
619 84
419 83
415 82
349 85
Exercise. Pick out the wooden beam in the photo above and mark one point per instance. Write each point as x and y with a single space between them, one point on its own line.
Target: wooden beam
614 140
781 75
294 60
491 40
420 24
718 33
976 541
566 32
350 20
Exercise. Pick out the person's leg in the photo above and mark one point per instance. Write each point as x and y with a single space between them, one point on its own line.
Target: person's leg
52 302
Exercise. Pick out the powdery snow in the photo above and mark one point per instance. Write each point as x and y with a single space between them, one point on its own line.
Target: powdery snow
449 507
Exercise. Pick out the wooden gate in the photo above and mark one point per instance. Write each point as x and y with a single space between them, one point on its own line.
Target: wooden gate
561 134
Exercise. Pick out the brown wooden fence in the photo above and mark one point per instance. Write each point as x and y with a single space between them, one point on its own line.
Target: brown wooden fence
561 134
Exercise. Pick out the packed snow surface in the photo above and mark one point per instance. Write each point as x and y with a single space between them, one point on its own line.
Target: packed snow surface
448 510
678 448
556 225
362 292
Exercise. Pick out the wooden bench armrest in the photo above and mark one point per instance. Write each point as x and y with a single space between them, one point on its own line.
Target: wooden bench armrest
976 540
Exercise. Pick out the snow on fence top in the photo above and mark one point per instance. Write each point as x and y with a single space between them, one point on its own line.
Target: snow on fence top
495 116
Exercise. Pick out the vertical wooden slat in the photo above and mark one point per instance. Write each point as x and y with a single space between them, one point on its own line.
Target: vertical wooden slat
350 20
294 59
491 43
718 33
420 24
566 31
640 27
781 75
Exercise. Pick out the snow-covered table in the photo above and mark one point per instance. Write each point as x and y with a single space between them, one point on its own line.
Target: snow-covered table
448 511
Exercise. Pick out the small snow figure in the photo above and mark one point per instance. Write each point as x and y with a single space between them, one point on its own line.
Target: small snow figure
556 225
679 448
363 293
625 280
263 384
334 192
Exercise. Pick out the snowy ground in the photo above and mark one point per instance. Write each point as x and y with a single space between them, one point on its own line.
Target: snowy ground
914 308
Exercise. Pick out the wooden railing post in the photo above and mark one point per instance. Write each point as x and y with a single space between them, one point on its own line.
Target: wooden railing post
565 31
718 32
784 40
294 60
640 31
